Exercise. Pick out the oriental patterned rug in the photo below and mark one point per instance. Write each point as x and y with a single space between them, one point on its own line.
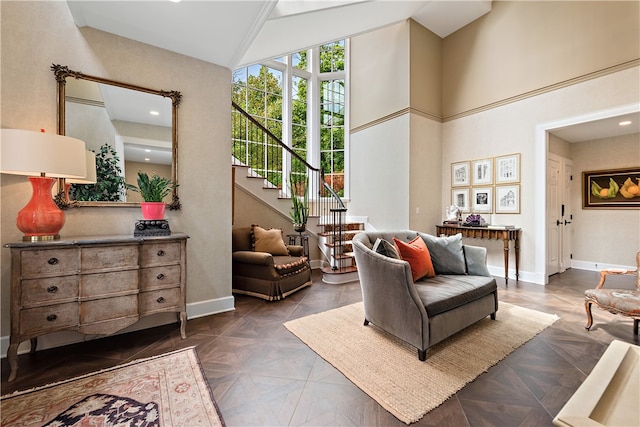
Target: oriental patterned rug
165 390
388 369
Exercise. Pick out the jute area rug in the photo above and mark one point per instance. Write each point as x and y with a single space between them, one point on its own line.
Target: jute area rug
388 369
165 390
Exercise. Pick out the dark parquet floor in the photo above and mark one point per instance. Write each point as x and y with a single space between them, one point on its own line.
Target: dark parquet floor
262 375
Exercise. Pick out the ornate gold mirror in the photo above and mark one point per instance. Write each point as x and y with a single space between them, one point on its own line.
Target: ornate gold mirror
130 128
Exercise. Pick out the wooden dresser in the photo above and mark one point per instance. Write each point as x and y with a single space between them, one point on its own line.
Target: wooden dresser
93 285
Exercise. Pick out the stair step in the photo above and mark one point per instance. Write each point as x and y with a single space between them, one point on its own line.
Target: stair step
328 228
343 270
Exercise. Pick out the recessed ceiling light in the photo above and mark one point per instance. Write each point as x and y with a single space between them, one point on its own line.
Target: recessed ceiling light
175 1
154 113
625 123
146 159
146 150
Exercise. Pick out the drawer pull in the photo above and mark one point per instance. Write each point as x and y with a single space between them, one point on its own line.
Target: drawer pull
52 289
160 252
160 276
51 317
53 261
160 299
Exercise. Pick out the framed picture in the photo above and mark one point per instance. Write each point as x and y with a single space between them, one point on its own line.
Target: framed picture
508 169
482 200
611 189
460 174
482 171
460 198
508 199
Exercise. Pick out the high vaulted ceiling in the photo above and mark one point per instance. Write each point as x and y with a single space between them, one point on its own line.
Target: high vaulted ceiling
236 33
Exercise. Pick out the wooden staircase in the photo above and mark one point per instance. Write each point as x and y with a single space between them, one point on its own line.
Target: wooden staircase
342 266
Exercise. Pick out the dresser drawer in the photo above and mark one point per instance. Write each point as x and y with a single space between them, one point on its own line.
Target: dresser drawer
162 300
50 262
108 308
48 319
48 291
159 254
109 257
105 284
159 277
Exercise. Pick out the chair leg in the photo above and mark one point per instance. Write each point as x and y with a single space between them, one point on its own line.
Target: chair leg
587 307
422 355
493 316
635 326
366 322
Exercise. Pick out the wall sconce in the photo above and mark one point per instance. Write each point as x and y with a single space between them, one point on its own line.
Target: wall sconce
43 157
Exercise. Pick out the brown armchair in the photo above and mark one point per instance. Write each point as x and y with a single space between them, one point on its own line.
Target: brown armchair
264 266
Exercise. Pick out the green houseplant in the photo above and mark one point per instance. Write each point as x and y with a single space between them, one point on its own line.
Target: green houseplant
299 189
153 190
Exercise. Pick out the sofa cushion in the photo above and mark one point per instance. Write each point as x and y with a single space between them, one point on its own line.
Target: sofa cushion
268 241
446 292
446 253
385 248
416 254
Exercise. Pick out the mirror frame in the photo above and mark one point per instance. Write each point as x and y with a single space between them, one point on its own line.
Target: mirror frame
61 74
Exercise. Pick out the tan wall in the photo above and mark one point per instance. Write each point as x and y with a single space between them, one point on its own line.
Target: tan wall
426 70
37 34
379 79
524 46
131 170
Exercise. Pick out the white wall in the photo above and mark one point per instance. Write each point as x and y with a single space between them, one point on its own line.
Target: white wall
380 174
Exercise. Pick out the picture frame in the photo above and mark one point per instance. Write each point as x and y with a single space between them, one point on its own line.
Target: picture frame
508 169
507 199
626 197
482 171
482 200
460 198
460 174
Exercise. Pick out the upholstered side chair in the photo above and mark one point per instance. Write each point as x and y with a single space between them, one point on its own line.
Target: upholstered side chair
264 266
625 302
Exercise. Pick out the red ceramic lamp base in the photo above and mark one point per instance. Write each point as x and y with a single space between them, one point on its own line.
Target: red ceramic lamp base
40 219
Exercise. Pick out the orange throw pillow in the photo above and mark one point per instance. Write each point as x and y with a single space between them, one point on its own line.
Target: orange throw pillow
417 255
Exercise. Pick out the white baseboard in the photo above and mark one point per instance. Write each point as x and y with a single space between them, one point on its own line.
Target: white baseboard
597 266
525 276
58 339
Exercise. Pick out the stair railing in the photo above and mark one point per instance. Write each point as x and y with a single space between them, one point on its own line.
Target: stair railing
266 156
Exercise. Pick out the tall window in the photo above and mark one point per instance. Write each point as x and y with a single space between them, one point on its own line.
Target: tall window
300 98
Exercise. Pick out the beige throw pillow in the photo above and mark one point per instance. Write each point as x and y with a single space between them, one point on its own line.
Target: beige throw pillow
268 240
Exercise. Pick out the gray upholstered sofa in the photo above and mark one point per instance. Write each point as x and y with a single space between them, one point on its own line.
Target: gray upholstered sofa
431 309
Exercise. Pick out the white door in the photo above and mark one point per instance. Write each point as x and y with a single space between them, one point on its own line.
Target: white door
567 218
554 202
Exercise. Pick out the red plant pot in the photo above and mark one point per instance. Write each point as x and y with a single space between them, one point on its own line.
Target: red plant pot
153 210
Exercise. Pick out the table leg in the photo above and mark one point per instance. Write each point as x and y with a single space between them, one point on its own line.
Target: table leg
517 250
505 238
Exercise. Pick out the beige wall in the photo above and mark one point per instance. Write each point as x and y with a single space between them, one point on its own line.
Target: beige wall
131 170
523 46
604 236
37 34
379 67
502 59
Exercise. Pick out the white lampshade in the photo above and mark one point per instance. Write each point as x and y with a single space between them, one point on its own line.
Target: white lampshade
26 152
91 177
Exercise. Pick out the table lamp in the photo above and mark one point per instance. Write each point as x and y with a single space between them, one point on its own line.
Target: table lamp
43 157
91 178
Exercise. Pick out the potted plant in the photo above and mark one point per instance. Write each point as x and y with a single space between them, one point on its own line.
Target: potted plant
153 190
299 189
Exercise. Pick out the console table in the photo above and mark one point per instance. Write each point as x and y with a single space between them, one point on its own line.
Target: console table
93 285
505 234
